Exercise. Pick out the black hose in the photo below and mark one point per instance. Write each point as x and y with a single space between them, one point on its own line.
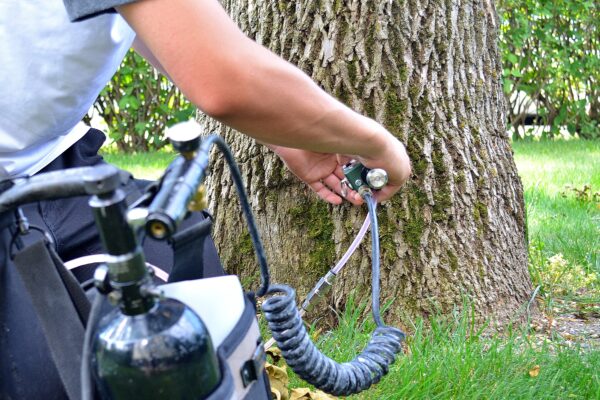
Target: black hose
87 384
375 268
173 201
252 229
285 322
46 186
241 190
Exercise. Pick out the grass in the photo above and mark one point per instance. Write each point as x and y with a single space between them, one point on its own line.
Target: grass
561 182
451 359
447 358
141 165
559 217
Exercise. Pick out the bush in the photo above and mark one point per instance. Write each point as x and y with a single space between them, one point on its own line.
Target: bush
138 104
551 58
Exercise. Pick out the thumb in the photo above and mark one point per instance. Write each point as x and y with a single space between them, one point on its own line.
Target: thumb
343 159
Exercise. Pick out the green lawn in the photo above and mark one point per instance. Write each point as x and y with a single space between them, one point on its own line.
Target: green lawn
452 360
142 165
557 217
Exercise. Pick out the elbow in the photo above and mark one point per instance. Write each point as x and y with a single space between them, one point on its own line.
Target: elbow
217 105
222 93
226 101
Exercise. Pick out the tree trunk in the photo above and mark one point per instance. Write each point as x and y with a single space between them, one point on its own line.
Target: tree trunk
429 71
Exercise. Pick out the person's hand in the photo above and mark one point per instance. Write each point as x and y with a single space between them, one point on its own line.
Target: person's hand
320 171
394 160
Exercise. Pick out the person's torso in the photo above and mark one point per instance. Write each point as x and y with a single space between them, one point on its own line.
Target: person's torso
52 71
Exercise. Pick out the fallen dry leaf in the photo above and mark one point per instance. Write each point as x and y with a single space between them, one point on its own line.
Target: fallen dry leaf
306 394
275 353
315 335
276 394
535 371
279 380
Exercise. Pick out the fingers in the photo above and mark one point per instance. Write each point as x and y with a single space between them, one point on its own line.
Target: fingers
335 183
394 160
386 193
325 193
339 172
343 159
330 190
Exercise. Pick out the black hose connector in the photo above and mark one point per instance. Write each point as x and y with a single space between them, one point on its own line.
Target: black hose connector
313 366
45 186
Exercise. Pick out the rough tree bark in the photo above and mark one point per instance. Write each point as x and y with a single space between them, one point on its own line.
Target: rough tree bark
429 71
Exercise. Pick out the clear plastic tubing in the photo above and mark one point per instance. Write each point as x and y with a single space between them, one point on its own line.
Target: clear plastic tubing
359 237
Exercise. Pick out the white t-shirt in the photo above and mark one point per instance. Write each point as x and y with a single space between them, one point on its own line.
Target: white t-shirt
51 72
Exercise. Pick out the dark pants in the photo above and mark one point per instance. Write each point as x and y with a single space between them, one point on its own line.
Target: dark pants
26 368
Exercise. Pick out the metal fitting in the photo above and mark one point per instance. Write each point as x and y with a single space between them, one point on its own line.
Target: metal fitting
102 280
322 287
364 190
377 178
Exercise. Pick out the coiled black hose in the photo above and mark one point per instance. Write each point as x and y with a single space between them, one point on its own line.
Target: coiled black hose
285 322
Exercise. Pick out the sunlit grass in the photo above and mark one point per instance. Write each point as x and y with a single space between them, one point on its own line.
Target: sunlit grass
451 358
557 217
141 165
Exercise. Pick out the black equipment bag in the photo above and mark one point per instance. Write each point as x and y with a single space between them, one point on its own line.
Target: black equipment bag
27 364
43 311
241 357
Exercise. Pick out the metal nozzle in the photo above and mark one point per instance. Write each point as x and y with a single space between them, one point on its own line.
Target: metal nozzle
185 137
319 291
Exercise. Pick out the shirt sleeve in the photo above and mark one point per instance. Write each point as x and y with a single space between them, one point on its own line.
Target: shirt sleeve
82 9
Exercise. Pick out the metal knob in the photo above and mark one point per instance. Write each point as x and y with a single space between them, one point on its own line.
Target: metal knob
185 136
377 178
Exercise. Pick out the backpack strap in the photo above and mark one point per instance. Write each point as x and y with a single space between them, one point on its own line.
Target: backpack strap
188 251
76 293
57 301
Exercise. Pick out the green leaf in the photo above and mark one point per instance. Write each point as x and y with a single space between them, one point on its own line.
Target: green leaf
140 127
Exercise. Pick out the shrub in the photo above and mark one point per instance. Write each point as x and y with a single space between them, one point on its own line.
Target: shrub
551 58
139 103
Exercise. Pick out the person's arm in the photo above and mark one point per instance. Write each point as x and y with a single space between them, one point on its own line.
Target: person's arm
247 87
143 50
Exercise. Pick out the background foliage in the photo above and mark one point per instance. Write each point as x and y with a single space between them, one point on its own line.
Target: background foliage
551 58
138 104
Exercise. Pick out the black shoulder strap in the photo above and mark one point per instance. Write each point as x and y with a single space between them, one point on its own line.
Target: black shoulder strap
188 251
61 321
77 295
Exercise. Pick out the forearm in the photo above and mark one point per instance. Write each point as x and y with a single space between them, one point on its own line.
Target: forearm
244 85
239 82
278 104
